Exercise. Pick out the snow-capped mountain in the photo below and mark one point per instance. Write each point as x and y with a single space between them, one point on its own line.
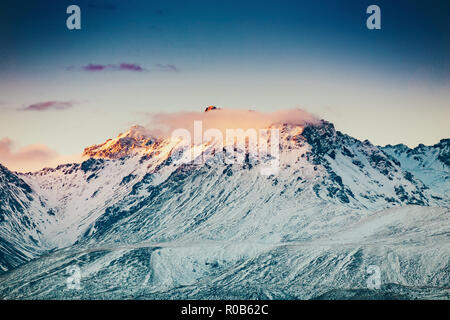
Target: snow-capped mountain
428 163
23 221
146 225
136 140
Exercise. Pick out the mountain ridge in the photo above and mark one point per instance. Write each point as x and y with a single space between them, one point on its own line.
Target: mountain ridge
137 193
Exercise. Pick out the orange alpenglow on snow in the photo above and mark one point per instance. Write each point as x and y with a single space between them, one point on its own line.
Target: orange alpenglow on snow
209 108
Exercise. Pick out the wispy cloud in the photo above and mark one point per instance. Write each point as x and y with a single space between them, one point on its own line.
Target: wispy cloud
223 119
131 67
50 105
113 67
94 67
33 157
167 67
124 66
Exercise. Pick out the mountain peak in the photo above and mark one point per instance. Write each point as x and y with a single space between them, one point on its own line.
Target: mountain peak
210 108
135 140
139 140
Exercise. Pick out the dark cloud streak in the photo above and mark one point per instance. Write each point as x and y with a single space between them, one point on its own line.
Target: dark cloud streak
167 67
49 105
124 66
113 67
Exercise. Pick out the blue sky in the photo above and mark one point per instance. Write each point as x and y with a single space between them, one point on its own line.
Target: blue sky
388 86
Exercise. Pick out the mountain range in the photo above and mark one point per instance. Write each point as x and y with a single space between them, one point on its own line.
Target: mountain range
140 225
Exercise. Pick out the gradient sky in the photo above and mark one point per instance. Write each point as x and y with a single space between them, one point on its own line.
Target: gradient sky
389 86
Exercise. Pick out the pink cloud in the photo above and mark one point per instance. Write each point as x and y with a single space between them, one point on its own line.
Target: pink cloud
31 158
222 119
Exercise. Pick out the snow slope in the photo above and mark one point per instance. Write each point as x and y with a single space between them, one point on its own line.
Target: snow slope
412 266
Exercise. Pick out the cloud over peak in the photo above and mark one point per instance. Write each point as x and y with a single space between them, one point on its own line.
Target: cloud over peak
223 119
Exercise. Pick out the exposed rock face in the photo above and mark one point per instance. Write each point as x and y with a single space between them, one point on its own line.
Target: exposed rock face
135 140
210 108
